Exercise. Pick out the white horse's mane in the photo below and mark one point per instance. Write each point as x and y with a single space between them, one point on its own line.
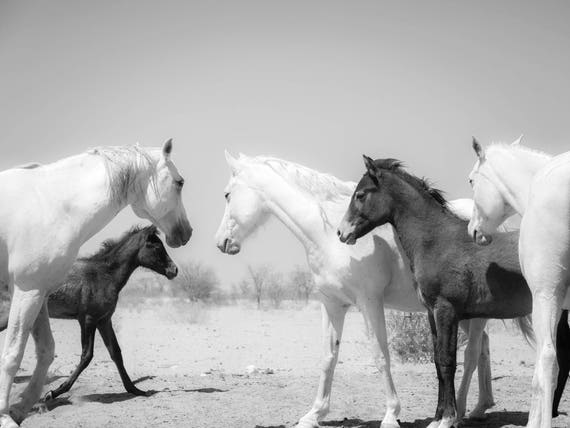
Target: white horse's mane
500 146
124 165
319 184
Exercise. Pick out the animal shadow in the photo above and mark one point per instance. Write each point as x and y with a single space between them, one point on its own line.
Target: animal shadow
352 423
111 397
26 378
142 379
498 420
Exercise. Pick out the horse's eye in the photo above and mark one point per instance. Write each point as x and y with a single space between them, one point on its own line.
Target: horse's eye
359 196
227 196
180 182
471 182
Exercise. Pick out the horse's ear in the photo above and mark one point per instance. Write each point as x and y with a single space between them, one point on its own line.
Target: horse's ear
478 149
232 162
167 149
371 167
517 141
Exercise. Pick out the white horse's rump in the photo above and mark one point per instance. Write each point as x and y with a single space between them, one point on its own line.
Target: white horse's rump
47 213
374 274
537 186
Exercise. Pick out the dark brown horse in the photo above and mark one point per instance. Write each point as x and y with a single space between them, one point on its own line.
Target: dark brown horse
91 290
456 278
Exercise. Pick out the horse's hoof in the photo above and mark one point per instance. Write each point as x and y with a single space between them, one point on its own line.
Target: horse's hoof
7 422
390 425
307 423
478 413
138 392
48 396
434 424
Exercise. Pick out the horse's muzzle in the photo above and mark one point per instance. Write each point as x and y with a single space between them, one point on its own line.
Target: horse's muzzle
228 246
481 239
171 271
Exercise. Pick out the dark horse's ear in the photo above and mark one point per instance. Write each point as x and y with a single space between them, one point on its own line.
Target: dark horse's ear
371 167
478 149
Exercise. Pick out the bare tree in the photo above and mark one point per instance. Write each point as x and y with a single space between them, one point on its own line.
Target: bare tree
302 279
276 291
259 278
199 282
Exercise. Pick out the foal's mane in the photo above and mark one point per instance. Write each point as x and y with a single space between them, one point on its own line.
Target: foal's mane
422 184
319 184
124 165
110 247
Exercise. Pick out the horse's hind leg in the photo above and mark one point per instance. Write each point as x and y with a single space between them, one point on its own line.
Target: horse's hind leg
87 341
23 312
108 334
563 357
486 399
41 332
474 329
377 321
333 314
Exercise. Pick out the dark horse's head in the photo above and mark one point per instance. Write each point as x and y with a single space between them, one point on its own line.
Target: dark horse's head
383 190
370 205
152 254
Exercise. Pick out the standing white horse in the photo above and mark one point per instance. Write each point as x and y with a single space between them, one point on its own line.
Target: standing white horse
47 213
373 275
514 178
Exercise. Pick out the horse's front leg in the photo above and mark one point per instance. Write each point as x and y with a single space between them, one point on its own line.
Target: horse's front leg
45 347
563 358
445 348
473 352
377 321
333 314
23 312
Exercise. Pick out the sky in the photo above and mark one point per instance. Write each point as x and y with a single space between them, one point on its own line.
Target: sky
315 82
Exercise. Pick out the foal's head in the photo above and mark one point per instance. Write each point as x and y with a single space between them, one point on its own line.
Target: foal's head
491 207
152 254
245 210
370 205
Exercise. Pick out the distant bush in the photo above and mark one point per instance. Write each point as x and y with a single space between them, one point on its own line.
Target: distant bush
198 282
409 336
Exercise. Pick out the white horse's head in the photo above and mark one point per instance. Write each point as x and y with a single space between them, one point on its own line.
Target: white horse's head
160 199
490 208
245 210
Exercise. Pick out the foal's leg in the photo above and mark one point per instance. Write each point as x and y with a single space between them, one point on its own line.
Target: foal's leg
474 329
377 321
23 312
439 408
563 358
333 314
446 350
45 346
108 334
87 341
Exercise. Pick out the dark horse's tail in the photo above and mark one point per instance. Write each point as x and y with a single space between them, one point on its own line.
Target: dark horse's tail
525 326
4 306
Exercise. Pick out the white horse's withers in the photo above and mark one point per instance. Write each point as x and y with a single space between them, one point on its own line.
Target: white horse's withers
47 213
373 275
513 178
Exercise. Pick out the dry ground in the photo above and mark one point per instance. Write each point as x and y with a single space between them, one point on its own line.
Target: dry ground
195 358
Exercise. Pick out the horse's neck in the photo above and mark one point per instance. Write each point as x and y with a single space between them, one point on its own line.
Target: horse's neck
300 213
419 222
80 185
514 177
123 269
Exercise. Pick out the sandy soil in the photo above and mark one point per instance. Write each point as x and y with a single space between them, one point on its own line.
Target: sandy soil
195 358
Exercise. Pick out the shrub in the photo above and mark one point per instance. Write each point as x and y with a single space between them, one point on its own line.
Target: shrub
197 281
409 336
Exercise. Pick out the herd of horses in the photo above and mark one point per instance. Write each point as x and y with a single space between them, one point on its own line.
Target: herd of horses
408 249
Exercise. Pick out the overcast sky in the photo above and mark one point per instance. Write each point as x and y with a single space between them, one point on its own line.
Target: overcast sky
315 82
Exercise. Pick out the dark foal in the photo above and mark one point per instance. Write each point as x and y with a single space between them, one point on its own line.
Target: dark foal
91 290
456 278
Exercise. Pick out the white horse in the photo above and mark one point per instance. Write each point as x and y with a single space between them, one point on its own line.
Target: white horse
513 178
374 274
47 213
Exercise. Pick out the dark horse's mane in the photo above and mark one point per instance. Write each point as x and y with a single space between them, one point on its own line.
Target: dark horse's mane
422 184
110 247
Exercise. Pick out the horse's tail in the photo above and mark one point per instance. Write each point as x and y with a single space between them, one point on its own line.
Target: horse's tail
4 307
524 324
